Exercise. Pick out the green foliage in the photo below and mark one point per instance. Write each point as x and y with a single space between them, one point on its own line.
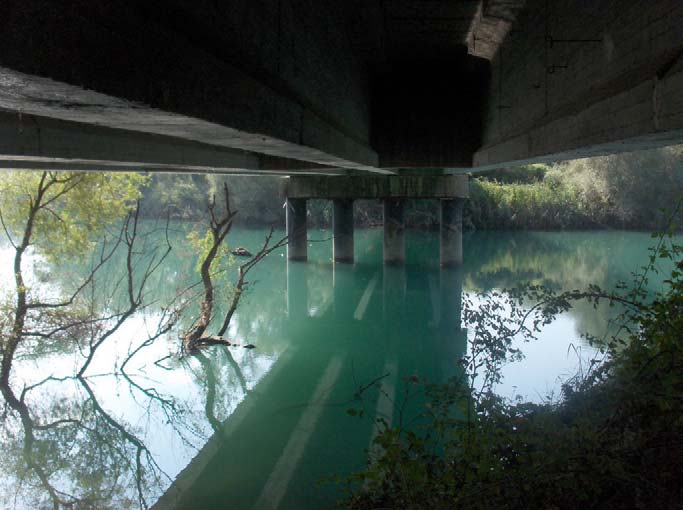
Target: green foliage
202 244
76 207
625 190
181 196
618 191
614 440
526 174
259 199
542 205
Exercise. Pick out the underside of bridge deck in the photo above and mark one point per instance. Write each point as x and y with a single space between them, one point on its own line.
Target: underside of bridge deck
329 87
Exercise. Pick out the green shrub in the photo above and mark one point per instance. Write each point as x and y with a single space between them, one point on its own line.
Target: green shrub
614 440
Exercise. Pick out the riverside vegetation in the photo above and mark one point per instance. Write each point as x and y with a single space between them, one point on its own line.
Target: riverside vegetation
613 440
623 191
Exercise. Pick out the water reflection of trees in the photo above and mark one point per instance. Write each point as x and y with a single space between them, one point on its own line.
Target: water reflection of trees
64 447
73 449
63 444
559 261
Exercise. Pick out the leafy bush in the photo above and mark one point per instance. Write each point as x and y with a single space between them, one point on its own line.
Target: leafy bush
618 191
523 206
614 440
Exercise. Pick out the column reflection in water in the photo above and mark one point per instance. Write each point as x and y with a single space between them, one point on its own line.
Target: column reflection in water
394 285
297 289
452 337
383 324
343 292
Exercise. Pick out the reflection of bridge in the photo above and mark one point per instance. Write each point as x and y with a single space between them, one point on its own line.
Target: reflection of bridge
293 427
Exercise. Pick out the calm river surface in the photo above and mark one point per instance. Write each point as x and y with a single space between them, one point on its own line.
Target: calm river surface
259 428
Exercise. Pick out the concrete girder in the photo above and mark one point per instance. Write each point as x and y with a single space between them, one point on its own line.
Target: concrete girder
40 143
194 72
367 86
647 116
580 79
45 98
372 187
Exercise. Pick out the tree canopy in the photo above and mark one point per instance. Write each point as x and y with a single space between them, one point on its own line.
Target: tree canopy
70 208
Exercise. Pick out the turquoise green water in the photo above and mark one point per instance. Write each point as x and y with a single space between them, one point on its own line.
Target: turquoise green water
241 428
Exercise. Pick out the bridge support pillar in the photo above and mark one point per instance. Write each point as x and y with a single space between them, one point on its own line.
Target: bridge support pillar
451 232
342 247
297 246
394 231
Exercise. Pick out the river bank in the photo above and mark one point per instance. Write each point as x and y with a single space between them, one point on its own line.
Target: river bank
630 192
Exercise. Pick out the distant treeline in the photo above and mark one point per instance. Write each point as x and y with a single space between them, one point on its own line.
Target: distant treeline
258 199
628 191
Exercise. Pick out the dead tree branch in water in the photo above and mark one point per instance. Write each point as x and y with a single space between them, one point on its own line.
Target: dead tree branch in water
219 228
242 284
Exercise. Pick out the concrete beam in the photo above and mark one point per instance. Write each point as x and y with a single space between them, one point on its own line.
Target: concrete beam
647 116
41 143
362 187
107 166
193 72
29 138
581 79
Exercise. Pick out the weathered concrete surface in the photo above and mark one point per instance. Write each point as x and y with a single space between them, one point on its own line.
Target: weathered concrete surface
358 187
394 231
297 229
239 75
31 142
365 85
577 79
451 232
29 138
342 223
491 26
410 30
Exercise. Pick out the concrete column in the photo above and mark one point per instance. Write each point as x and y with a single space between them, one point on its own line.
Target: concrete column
342 247
394 231
297 247
451 232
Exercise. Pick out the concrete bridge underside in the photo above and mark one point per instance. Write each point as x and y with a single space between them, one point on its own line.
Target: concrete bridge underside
329 87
